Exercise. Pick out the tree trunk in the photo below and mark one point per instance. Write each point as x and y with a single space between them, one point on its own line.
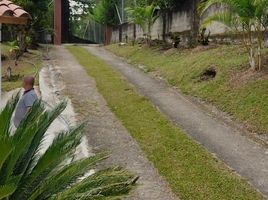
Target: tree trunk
120 33
149 37
195 19
164 17
260 45
259 59
134 34
252 62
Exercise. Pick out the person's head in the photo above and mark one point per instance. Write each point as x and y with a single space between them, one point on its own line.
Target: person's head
28 82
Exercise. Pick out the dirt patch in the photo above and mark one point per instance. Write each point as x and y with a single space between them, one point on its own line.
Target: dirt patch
242 78
171 51
204 48
208 74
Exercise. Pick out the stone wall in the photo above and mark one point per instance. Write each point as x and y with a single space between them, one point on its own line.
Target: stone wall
180 21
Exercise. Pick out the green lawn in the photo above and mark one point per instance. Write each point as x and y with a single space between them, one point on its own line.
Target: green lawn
192 172
25 67
242 94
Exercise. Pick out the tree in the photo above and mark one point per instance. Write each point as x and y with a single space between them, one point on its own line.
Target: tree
105 12
41 22
40 12
79 13
145 17
247 18
27 174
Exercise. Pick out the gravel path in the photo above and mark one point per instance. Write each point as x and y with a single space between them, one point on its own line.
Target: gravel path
242 154
104 131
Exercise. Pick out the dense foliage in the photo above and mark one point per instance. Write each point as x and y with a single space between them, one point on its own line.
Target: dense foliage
41 12
106 12
28 174
248 18
144 16
164 4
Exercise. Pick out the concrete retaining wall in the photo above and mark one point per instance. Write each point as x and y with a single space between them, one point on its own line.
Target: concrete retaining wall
181 21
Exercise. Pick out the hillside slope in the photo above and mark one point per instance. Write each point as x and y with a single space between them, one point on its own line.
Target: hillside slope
235 90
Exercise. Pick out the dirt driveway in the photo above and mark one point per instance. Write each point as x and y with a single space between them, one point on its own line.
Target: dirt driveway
103 129
242 154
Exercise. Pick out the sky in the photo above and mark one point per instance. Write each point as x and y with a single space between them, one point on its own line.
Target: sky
72 4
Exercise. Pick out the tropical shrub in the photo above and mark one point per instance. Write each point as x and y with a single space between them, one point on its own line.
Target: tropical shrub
105 12
203 38
176 39
145 17
28 174
246 17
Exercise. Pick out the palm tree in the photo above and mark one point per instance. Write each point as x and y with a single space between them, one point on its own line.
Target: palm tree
245 17
145 17
26 174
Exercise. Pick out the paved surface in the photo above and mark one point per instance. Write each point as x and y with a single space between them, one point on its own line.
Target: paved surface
51 88
5 97
242 154
104 131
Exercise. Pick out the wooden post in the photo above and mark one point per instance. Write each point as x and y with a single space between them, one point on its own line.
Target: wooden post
57 22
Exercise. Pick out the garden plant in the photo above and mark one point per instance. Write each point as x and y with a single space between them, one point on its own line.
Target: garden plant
28 174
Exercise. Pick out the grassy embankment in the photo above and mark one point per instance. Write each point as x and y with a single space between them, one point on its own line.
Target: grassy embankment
235 90
28 64
192 172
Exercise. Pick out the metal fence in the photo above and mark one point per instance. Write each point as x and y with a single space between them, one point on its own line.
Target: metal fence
91 31
121 9
94 32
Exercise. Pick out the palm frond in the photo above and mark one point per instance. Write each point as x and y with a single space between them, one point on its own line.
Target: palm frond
62 148
5 150
225 18
6 190
29 131
6 115
108 182
45 120
66 177
27 174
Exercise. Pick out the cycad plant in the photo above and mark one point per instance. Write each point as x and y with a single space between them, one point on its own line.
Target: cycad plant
145 17
27 174
249 18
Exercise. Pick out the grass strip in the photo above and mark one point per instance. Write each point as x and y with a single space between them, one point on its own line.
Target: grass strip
29 64
235 90
192 172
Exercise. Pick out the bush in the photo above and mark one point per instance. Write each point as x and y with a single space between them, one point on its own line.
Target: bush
26 174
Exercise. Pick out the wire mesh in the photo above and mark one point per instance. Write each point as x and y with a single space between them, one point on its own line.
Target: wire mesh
121 6
91 31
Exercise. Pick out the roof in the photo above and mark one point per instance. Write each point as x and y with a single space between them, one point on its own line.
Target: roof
11 13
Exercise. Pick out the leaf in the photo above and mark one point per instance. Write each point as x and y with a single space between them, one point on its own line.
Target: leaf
7 190
5 150
62 148
6 115
66 177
